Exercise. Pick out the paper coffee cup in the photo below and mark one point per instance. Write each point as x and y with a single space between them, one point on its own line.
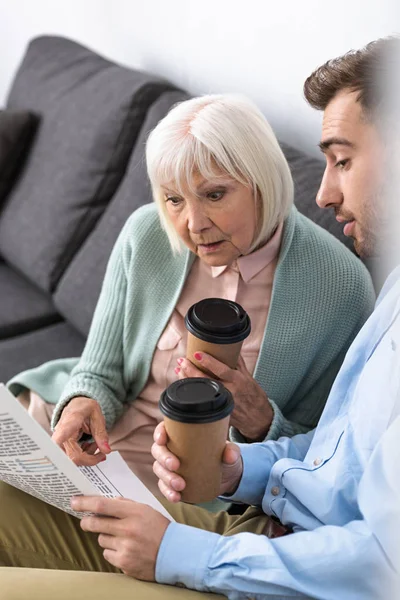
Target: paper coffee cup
217 327
196 415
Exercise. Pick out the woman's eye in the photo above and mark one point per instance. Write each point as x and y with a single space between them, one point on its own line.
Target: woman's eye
215 195
341 163
174 200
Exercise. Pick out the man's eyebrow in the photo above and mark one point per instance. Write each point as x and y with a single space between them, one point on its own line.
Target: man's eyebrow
337 141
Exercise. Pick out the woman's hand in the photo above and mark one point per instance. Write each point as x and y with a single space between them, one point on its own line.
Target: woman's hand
130 533
166 465
253 413
82 415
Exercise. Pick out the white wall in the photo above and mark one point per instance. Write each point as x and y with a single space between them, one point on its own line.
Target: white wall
262 48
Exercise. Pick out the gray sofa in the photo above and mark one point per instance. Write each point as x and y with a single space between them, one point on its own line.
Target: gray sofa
83 176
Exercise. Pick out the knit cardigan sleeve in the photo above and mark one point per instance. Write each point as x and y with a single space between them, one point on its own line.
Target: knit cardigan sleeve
99 373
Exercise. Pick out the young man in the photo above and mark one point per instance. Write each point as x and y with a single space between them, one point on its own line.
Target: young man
325 505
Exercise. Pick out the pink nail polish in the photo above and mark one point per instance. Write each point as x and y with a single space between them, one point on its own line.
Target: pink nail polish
198 356
177 370
179 361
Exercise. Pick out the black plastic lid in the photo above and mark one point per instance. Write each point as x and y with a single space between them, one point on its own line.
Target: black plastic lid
196 400
218 321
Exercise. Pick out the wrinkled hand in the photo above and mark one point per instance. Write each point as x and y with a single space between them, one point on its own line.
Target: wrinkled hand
166 464
253 413
130 533
82 415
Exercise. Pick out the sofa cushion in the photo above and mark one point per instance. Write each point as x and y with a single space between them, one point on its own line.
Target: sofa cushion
33 349
79 288
23 306
307 175
16 132
91 113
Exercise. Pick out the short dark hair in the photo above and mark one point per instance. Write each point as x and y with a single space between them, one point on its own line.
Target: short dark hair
365 71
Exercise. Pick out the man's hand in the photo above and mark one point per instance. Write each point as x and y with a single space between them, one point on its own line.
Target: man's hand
130 533
166 465
253 413
82 415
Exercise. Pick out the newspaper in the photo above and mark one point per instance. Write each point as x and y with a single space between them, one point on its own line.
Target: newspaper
32 462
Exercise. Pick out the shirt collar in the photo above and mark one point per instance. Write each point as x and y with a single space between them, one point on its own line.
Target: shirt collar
250 265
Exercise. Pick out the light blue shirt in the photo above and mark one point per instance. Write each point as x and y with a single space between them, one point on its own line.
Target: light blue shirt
337 487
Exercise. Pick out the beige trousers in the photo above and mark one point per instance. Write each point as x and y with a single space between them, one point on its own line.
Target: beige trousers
61 562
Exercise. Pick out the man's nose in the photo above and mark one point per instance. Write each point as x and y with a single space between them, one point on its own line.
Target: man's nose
329 193
198 219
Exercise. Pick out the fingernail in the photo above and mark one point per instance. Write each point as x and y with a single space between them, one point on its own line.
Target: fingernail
198 355
179 361
177 370
103 459
107 446
175 484
73 502
168 463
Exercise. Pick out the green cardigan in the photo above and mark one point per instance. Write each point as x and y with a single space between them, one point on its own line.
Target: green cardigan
321 296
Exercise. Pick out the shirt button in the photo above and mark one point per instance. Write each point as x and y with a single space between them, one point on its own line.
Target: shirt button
317 462
275 491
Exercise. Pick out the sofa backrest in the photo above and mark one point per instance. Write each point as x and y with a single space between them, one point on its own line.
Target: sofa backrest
78 290
91 112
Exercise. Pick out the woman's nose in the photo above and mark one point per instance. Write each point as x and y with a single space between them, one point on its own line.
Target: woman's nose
198 220
329 193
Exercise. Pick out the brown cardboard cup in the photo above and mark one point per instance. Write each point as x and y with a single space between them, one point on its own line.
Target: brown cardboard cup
199 448
198 445
226 353
217 327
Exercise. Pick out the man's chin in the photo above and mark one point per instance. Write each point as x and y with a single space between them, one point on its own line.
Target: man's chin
364 252
366 247
359 249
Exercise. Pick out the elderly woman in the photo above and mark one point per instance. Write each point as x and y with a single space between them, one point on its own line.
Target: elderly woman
223 225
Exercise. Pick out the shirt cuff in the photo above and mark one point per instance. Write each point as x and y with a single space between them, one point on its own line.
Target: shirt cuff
256 469
184 556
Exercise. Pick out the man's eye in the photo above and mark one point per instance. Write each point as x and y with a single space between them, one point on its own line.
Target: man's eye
341 163
215 195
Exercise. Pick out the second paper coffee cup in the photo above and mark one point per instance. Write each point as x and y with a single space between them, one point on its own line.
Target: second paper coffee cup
196 416
217 327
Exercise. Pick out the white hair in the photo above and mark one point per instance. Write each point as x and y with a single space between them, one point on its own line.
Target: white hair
210 134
